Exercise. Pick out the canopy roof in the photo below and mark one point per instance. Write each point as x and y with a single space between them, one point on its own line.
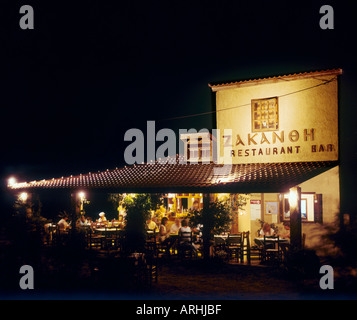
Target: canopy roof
171 175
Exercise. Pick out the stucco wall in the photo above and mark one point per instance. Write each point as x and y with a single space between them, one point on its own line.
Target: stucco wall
326 184
303 104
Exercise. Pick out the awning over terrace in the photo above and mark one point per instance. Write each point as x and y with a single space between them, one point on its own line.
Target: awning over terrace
174 176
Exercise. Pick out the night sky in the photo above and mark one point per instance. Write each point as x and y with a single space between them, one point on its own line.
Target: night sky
90 70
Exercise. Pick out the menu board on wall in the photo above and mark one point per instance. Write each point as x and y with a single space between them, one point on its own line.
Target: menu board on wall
255 209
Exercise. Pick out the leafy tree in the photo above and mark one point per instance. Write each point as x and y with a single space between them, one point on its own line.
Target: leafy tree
137 212
215 218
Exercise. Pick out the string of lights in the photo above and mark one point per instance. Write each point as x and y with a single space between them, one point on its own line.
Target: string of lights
325 82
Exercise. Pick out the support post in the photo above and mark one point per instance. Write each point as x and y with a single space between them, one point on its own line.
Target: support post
295 218
75 209
206 232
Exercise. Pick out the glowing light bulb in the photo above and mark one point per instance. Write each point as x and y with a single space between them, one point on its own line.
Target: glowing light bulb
23 196
11 181
293 198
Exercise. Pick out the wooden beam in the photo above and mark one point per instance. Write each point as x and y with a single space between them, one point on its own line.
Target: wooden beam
295 218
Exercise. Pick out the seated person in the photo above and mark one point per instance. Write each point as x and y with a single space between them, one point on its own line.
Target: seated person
63 225
151 225
175 227
164 236
82 221
83 225
184 240
195 206
285 234
267 230
102 217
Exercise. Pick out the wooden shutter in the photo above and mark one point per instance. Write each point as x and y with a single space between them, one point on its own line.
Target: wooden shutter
318 208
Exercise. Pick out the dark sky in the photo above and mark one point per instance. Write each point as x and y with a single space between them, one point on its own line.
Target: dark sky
90 70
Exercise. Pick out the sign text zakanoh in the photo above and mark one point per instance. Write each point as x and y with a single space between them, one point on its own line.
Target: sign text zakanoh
271 146
267 140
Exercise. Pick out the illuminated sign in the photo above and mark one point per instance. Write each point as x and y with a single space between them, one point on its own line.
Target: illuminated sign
264 144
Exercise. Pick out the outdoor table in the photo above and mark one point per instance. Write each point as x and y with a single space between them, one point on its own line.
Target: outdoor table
84 228
272 243
51 227
223 236
220 239
107 229
110 237
267 239
260 240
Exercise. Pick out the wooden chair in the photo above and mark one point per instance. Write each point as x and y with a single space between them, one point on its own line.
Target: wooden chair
272 253
120 239
161 248
185 248
151 235
219 245
256 250
284 247
234 246
111 238
246 249
49 234
107 239
60 236
95 241
151 271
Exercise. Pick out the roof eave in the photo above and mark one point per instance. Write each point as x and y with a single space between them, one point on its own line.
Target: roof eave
297 76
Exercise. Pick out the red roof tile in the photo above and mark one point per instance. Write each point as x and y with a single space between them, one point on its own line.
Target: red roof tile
174 176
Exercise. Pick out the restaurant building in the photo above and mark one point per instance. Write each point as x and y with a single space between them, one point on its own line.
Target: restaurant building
272 135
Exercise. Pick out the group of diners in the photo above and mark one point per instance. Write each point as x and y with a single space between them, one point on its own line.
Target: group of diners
178 233
84 222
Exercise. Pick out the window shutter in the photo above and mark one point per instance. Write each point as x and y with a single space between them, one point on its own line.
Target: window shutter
318 208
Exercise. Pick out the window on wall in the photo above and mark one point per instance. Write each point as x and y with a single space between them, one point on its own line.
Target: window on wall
310 206
265 114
